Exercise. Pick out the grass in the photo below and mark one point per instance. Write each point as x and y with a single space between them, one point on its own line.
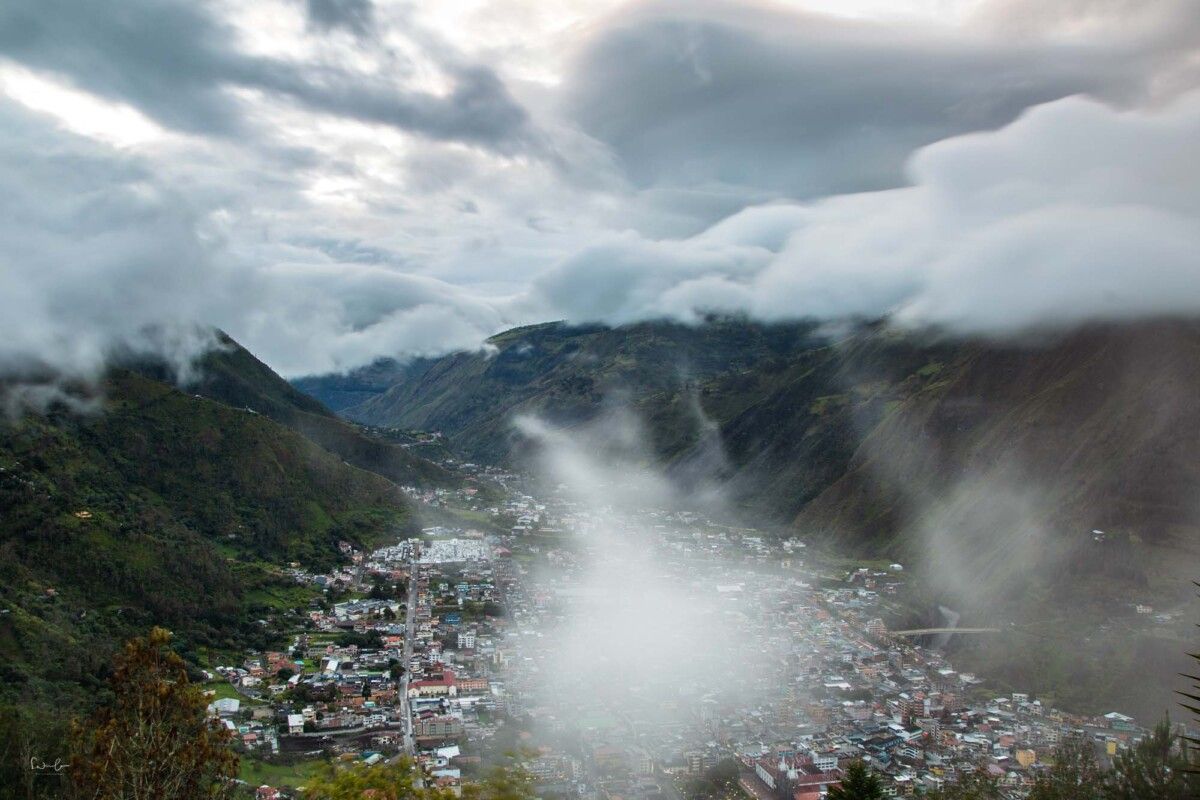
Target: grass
478 517
281 598
223 689
256 772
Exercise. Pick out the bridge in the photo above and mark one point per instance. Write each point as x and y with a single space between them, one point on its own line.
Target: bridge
924 631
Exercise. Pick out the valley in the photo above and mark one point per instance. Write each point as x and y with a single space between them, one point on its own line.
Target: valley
702 563
585 637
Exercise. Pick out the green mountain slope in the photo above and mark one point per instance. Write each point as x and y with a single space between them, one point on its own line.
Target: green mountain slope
160 508
231 375
566 374
339 392
1046 486
869 435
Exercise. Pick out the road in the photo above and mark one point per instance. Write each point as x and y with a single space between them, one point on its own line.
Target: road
926 631
410 631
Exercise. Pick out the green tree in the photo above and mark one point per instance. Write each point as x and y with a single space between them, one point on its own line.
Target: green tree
976 785
505 782
718 780
1192 704
858 783
1074 775
32 753
153 740
380 782
1153 769
398 782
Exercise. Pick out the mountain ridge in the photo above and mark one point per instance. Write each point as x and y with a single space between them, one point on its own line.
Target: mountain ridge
854 435
164 506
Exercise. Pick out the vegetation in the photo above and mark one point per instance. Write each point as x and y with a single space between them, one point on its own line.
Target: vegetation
874 441
1191 702
233 376
120 520
1074 775
1156 767
858 783
280 774
32 736
154 740
396 782
718 781
972 786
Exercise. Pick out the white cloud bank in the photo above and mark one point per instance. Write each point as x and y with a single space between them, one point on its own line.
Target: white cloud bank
451 194
1074 212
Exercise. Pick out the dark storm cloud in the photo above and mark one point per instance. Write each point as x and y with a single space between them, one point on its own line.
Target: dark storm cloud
177 64
356 16
704 94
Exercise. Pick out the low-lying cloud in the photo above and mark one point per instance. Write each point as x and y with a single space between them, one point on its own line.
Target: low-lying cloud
102 258
336 181
1074 212
623 598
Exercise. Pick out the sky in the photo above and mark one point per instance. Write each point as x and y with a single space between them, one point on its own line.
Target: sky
336 181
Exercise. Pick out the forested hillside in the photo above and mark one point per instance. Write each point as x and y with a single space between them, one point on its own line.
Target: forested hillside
231 375
1045 483
160 508
866 435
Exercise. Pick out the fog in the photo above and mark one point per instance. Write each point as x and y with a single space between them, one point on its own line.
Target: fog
1047 512
648 625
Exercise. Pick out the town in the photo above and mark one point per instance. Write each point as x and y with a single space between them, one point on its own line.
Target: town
488 638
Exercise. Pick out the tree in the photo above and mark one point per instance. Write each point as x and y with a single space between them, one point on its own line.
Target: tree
1153 769
380 782
971 786
724 774
510 781
284 674
1192 704
397 782
857 784
719 780
153 740
32 753
1075 774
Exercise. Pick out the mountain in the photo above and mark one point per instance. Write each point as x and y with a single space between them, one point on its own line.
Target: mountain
339 392
864 435
230 374
566 374
165 507
1046 485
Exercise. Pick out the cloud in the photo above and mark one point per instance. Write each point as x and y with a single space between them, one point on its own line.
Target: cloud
1074 212
754 99
333 182
182 66
102 258
95 253
356 16
618 510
